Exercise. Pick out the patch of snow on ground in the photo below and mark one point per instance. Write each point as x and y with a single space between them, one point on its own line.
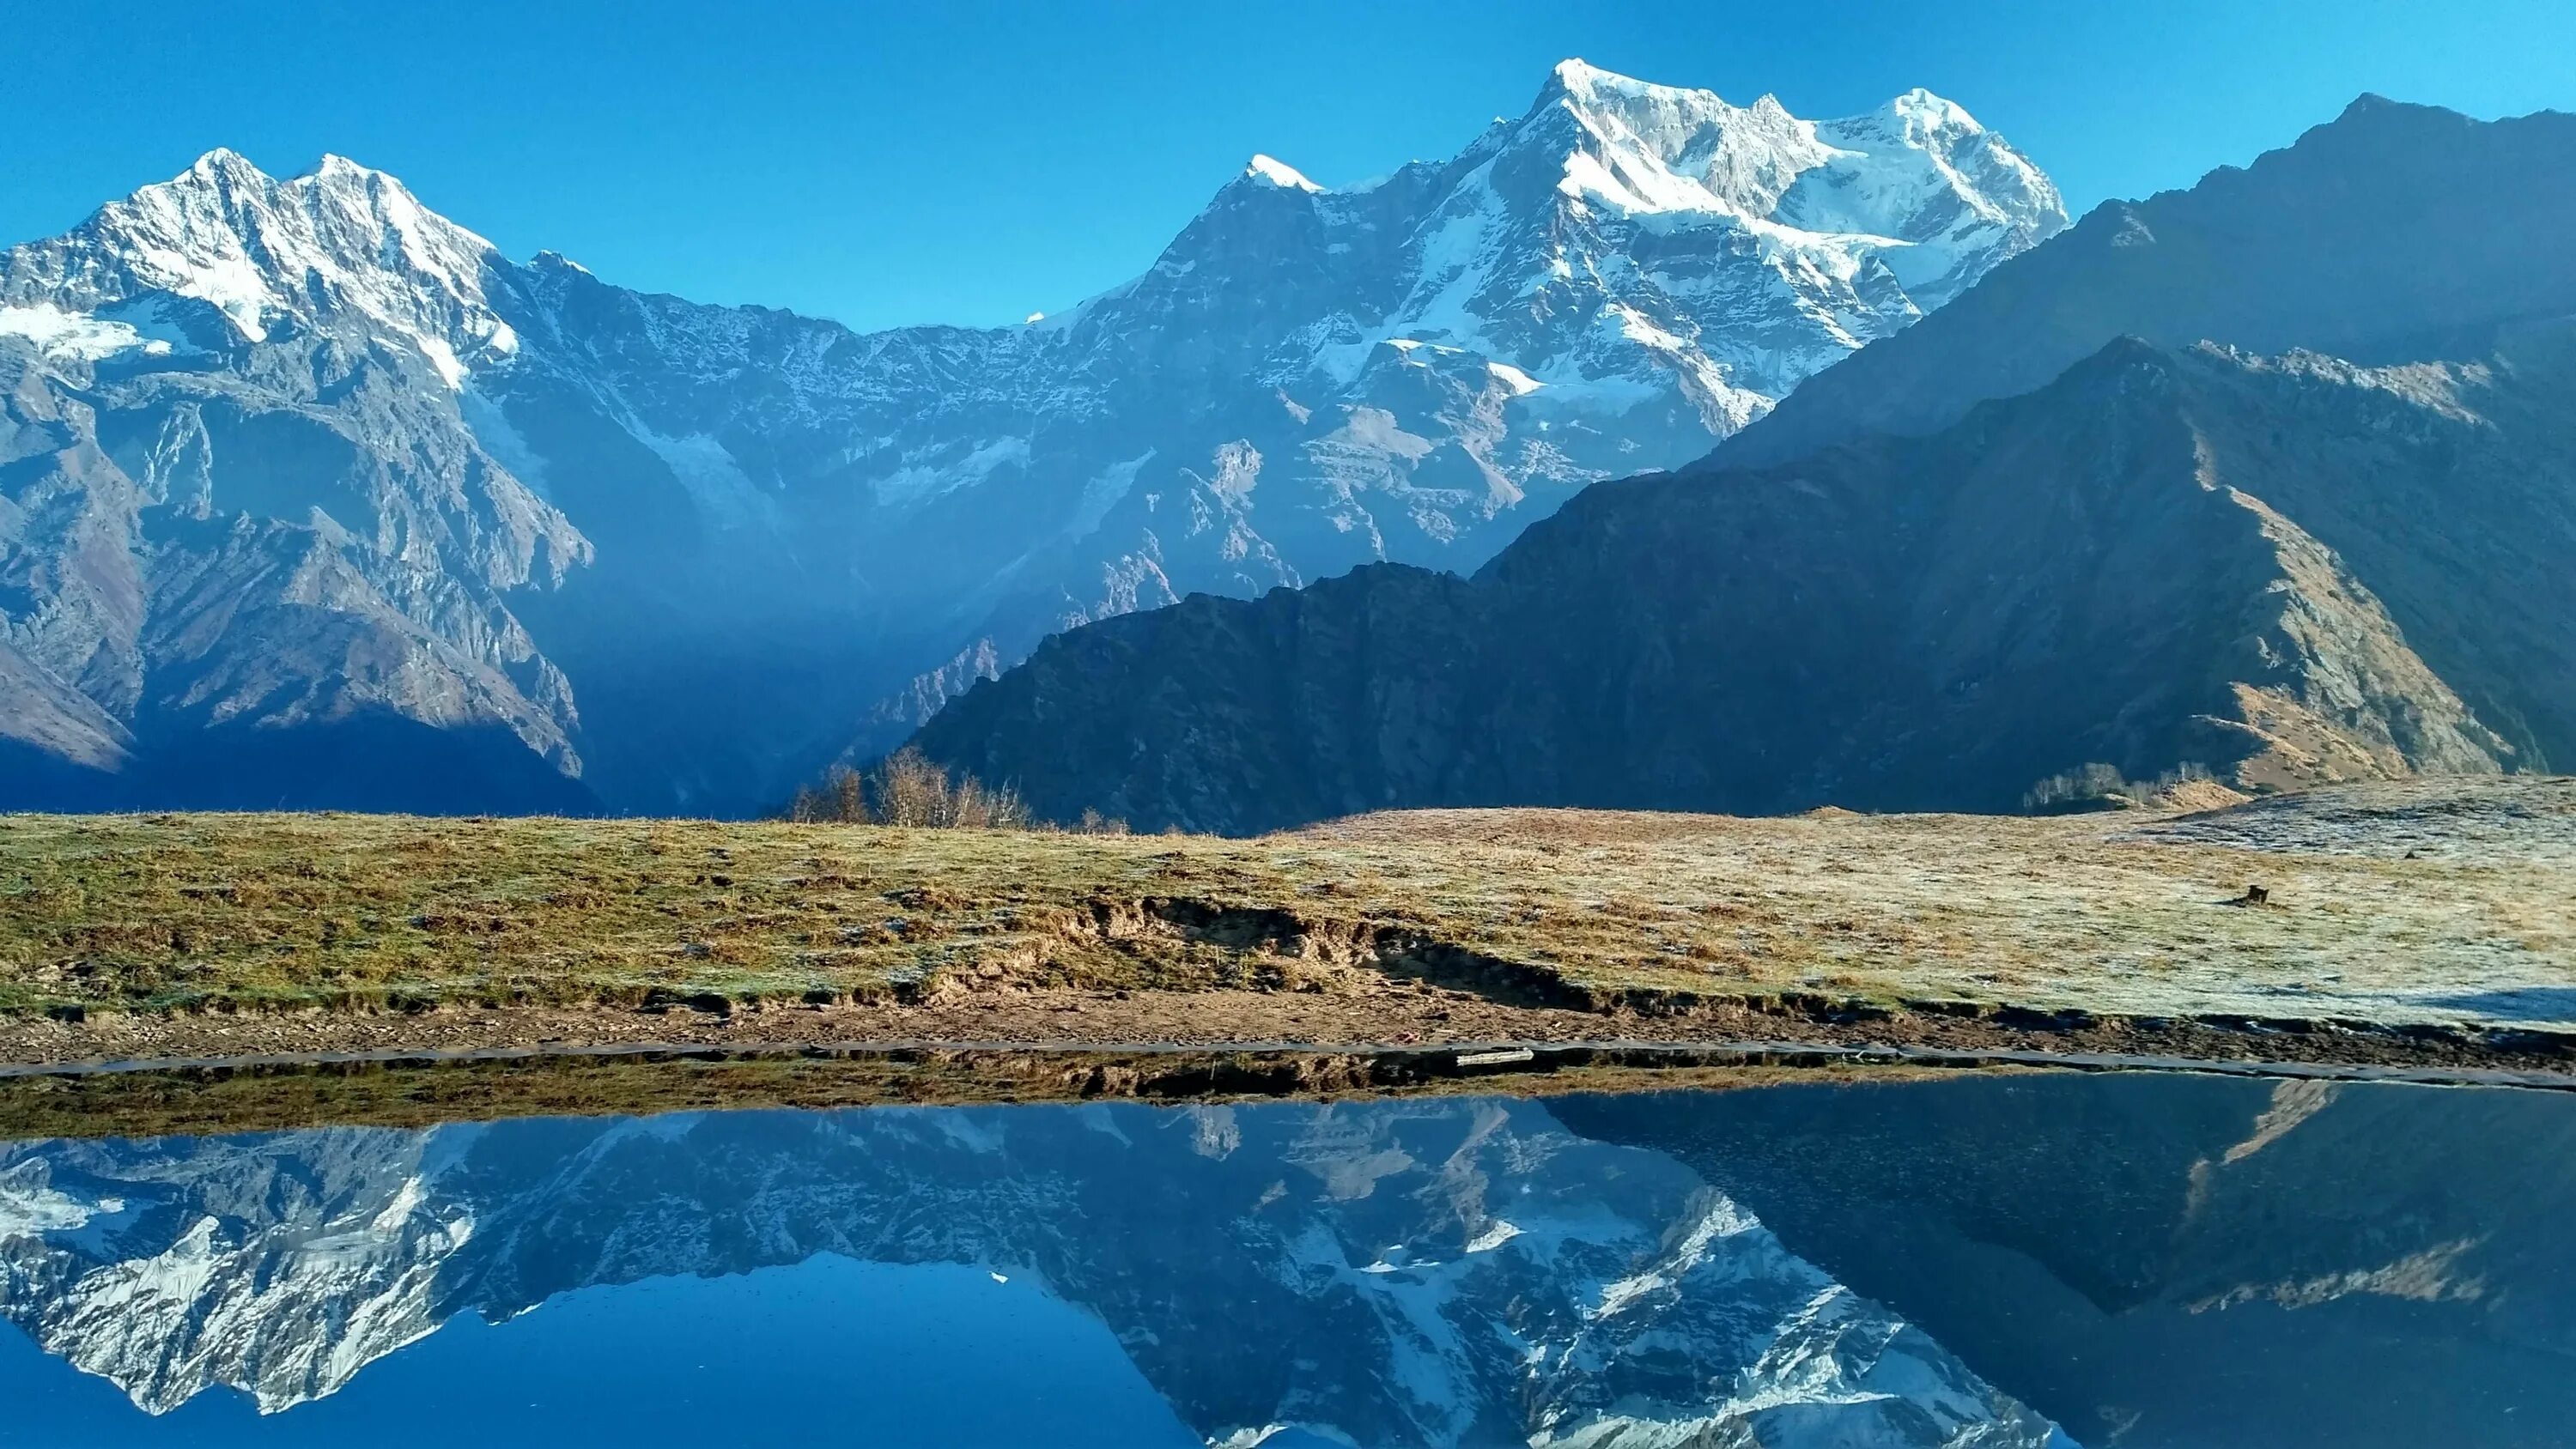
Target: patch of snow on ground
30 1205
715 483
1105 489
443 357
919 483
492 428
60 333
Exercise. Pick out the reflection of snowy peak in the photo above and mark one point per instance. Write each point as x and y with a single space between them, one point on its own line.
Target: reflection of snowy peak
280 1266
1455 1273
300 454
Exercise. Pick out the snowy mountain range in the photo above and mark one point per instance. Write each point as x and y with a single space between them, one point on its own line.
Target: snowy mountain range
2267 479
309 495
1450 1273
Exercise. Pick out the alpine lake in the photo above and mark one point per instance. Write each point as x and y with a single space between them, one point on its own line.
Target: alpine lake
522 1255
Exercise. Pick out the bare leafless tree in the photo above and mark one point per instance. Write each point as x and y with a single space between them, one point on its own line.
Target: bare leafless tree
908 788
849 796
912 791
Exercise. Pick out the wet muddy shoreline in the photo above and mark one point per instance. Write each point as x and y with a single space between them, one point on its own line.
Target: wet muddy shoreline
446 1066
1421 1017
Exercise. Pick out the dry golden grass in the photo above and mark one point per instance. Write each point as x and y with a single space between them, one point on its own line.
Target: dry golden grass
2116 914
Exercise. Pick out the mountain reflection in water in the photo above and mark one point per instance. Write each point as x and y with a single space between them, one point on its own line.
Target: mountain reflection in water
2144 1260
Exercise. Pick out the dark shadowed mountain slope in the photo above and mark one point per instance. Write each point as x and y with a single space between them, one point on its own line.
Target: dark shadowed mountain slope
2393 233
2290 570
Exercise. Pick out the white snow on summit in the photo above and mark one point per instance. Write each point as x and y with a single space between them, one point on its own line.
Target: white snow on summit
1279 173
260 251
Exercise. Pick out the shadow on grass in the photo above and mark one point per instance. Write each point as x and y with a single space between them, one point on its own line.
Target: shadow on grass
2521 1003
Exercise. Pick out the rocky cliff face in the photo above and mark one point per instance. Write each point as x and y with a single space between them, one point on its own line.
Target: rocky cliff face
2289 569
239 502
1449 1273
307 493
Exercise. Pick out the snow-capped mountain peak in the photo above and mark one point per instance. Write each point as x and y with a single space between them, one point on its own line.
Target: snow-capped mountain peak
1933 113
1589 84
1645 148
220 166
1642 149
261 251
1278 173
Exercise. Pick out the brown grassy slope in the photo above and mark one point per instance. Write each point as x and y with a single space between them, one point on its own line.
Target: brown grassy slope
2115 914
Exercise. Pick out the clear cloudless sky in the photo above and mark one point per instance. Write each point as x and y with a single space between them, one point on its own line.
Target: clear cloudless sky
970 162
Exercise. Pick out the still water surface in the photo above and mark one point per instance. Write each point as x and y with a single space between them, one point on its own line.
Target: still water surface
2040 1260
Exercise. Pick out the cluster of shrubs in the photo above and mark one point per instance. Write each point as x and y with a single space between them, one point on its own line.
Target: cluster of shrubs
906 788
2098 786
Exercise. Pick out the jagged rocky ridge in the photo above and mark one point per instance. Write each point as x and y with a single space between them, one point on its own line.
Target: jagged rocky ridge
1459 1273
309 495
2290 569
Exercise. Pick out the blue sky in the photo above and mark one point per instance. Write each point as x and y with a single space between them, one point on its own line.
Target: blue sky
967 162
